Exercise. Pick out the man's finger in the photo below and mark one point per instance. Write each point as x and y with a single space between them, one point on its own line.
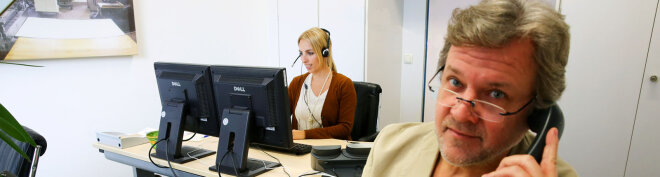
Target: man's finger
510 171
524 161
550 153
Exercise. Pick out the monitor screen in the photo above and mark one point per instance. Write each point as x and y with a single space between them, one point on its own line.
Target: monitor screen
190 84
264 92
186 96
253 105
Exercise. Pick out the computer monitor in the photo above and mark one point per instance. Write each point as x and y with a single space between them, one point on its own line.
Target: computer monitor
186 95
254 106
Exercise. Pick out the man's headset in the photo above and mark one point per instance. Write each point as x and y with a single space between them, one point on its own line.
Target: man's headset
325 52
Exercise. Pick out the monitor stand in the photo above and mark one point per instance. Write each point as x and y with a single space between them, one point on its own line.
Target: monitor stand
233 145
188 153
171 128
254 167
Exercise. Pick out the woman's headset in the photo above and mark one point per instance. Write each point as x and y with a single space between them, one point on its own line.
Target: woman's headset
325 52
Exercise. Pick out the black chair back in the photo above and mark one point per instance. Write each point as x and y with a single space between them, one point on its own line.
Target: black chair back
366 112
13 162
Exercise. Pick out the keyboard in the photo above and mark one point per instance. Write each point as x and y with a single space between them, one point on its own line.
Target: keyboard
297 149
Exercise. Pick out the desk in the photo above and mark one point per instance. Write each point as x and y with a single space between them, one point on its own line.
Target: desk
137 157
37 48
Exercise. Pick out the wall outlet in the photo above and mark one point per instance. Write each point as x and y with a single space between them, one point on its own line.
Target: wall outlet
407 58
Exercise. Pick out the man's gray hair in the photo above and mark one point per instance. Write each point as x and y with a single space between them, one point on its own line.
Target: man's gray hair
494 23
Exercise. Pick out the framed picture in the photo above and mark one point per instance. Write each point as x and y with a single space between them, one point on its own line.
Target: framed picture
48 29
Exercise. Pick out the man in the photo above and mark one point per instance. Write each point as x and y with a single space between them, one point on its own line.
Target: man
502 60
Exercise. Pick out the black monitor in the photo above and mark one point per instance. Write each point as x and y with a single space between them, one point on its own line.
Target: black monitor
254 106
186 96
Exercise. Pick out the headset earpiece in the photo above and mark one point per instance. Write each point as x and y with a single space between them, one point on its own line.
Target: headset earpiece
326 52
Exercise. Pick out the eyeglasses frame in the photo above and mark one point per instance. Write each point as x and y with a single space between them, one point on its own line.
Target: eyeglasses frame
506 113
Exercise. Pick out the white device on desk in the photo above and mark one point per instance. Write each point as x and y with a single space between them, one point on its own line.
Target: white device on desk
120 140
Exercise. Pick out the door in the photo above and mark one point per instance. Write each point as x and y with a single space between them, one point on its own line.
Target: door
644 155
609 46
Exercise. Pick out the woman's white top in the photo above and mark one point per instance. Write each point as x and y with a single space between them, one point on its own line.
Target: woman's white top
310 104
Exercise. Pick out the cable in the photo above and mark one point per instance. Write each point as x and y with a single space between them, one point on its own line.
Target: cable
309 174
218 165
191 137
233 159
313 172
278 161
167 148
334 172
307 104
199 147
149 155
352 142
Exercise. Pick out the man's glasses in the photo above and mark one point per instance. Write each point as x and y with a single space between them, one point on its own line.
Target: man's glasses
436 74
480 108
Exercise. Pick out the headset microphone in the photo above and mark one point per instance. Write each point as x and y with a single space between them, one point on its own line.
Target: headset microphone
294 61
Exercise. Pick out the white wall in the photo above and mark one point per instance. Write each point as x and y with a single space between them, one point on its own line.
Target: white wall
69 100
345 21
412 75
306 14
213 32
383 55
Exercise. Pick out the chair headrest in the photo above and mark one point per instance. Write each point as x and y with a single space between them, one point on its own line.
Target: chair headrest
40 140
370 87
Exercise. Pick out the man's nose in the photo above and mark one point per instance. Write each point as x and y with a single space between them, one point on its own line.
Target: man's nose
463 111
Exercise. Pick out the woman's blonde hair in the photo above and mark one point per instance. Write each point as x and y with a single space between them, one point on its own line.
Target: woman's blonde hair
494 23
320 40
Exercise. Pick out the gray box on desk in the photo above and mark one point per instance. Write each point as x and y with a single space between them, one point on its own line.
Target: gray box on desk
120 140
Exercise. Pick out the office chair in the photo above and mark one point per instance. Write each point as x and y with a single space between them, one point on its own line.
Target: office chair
13 164
366 112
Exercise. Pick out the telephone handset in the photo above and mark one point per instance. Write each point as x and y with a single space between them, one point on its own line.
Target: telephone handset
540 123
341 162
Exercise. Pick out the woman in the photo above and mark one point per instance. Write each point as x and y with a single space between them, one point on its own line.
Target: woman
322 101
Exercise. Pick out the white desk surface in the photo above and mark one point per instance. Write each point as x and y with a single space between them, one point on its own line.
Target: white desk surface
295 165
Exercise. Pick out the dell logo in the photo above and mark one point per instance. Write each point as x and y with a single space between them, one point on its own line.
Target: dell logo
239 89
176 84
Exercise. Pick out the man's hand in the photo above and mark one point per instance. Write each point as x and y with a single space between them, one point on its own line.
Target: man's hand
525 165
298 134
